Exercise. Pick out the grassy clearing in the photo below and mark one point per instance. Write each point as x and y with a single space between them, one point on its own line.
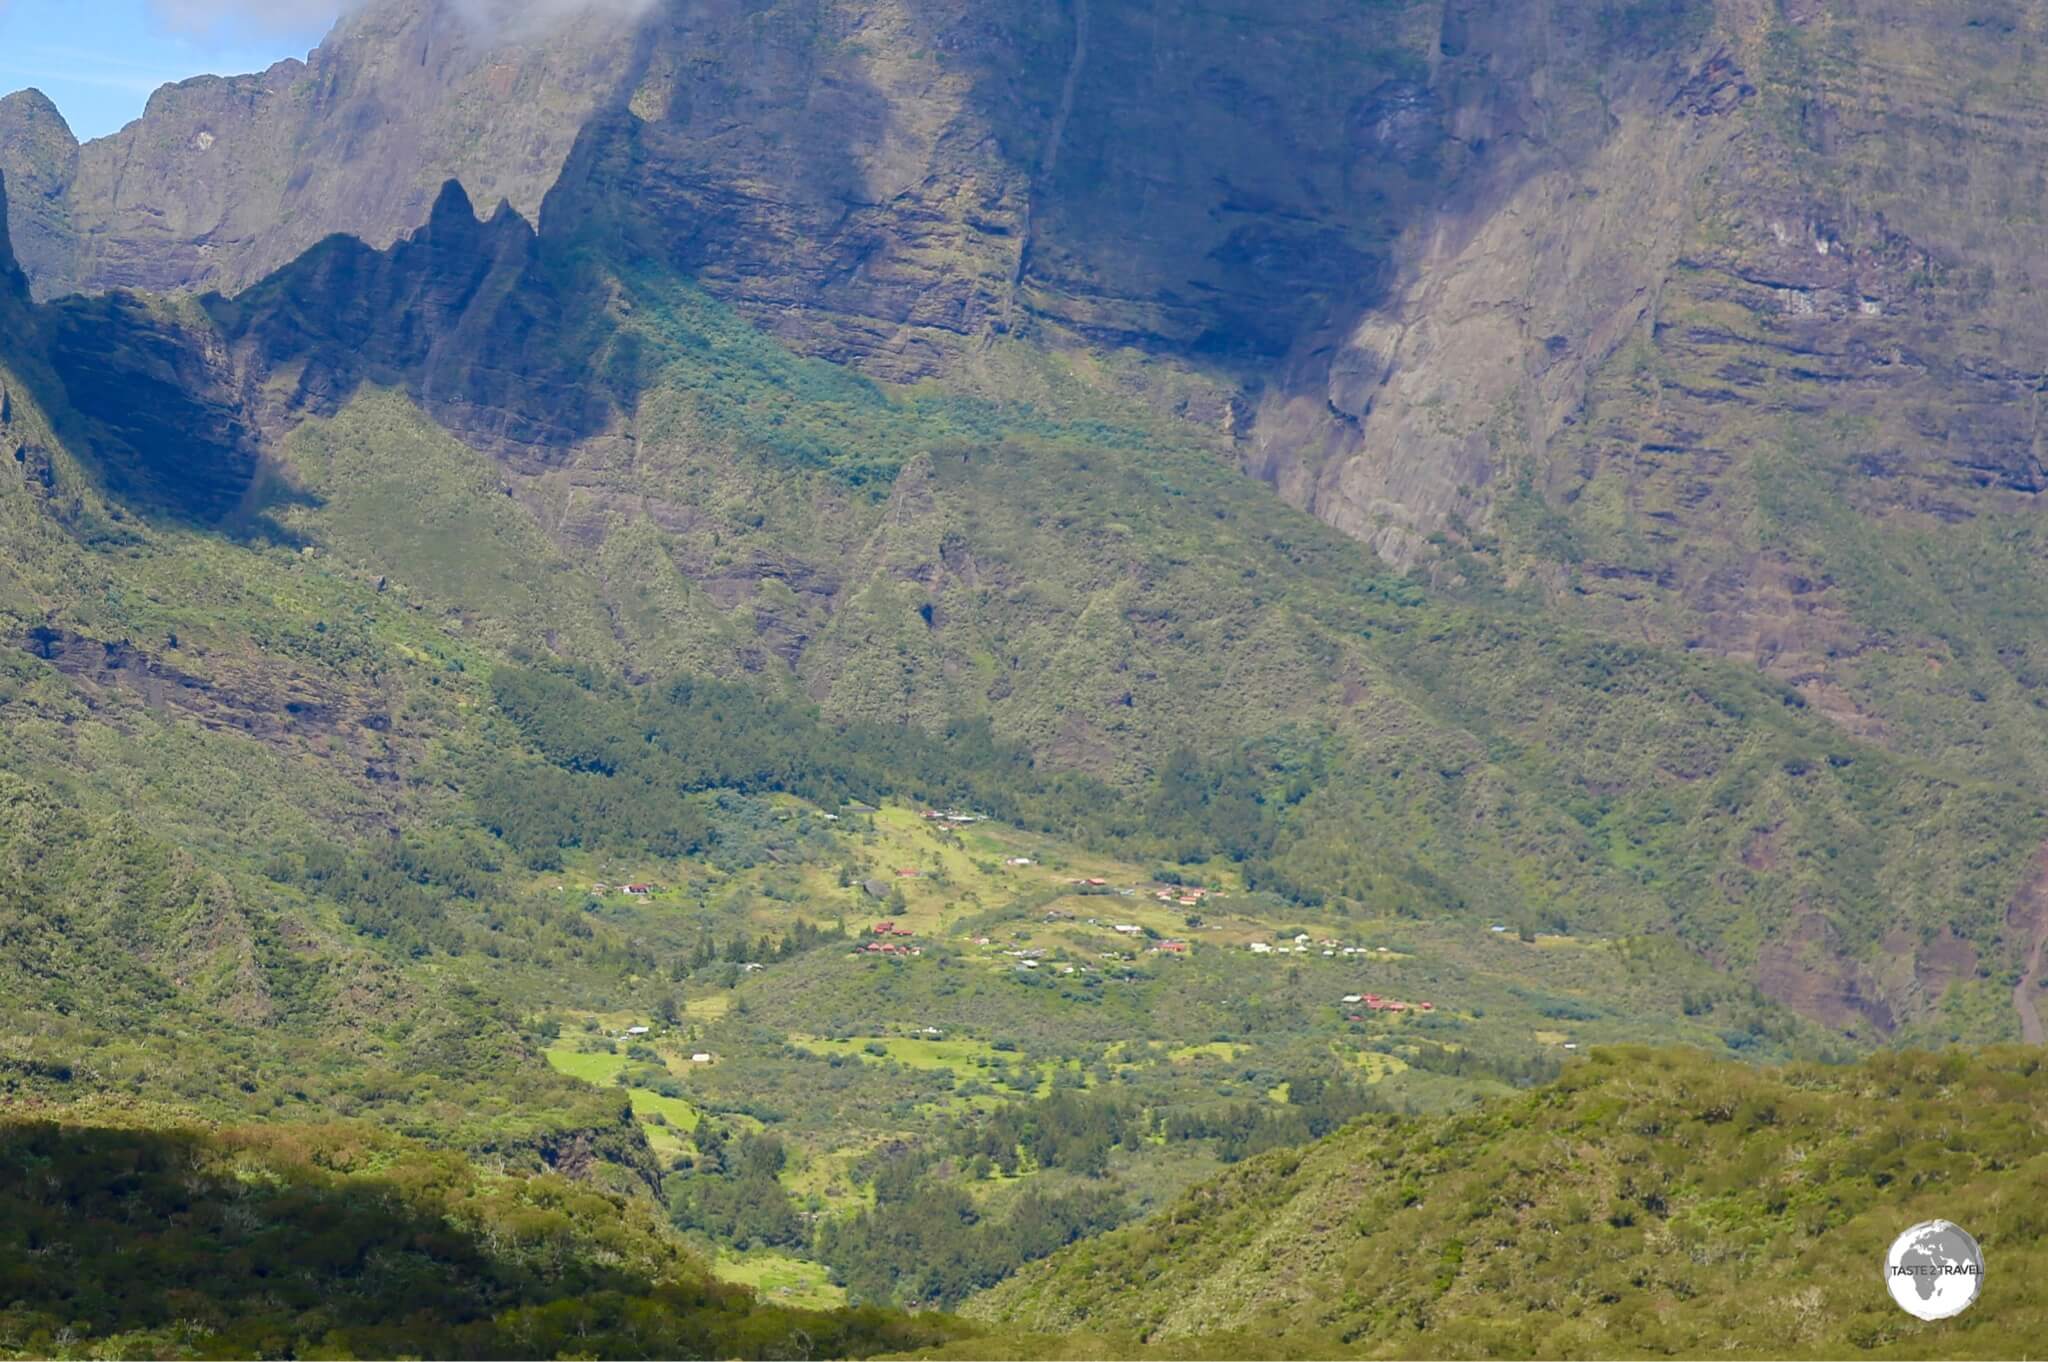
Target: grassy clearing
1215 1049
679 1114
591 1068
782 1279
1379 1067
709 1008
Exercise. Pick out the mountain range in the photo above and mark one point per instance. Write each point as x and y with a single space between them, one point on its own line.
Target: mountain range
1549 488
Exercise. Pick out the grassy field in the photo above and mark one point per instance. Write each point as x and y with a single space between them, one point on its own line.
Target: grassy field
781 1279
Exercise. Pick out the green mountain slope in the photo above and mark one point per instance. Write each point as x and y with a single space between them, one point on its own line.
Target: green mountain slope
137 1233
1643 1203
1095 582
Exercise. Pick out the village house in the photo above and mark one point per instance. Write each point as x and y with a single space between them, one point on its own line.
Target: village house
640 891
1374 1002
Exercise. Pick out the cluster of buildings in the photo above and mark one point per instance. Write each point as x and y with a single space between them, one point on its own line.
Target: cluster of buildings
1303 945
1373 1002
888 948
883 944
952 817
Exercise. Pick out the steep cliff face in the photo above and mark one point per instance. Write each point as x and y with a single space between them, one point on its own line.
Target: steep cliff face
886 181
1395 421
13 282
225 179
1819 449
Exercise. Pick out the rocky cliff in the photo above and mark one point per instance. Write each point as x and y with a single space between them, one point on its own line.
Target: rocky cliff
895 181
223 180
1636 317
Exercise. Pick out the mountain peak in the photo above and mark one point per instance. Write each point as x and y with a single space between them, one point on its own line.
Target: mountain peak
31 107
452 207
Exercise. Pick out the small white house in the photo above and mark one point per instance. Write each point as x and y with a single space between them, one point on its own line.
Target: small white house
1354 998
636 1030
700 1058
1261 948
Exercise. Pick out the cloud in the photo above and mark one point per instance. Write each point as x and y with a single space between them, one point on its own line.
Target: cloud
526 16
213 17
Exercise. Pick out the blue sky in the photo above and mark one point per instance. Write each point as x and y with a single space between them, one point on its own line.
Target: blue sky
99 59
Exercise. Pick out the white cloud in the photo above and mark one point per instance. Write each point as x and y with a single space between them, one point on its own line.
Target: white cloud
208 17
211 17
524 16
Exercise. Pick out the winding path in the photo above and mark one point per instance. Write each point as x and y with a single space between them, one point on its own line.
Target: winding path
2028 990
2029 913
